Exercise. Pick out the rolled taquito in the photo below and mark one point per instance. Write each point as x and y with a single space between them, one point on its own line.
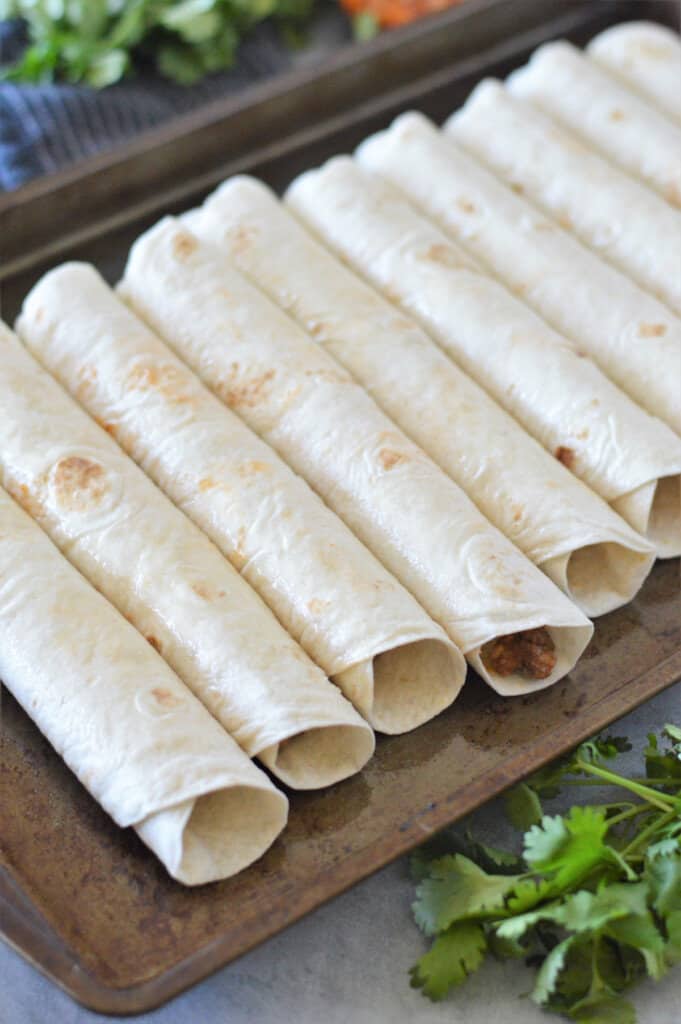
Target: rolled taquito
634 338
604 114
622 220
466 574
162 572
647 57
353 618
558 394
124 723
558 522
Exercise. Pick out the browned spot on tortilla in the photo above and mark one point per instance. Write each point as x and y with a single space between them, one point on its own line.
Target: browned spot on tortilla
252 467
243 236
517 513
565 221
400 323
518 188
87 373
673 195
583 434
616 115
155 643
248 394
165 698
109 427
239 556
542 225
530 653
316 605
334 376
565 455
389 458
79 482
658 51
581 354
183 246
202 590
87 380
206 483
166 378
317 328
26 498
652 330
466 205
444 254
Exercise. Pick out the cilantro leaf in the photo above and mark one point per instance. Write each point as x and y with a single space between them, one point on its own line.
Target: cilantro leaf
453 956
99 41
569 847
456 889
605 1009
673 923
663 870
523 806
662 762
674 733
595 901
550 971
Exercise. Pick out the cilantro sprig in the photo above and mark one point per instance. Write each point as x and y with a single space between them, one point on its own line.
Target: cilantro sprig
99 41
594 901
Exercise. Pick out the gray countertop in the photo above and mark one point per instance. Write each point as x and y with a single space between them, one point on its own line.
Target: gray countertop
348 962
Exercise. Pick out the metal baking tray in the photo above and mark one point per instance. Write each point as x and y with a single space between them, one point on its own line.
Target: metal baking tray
85 901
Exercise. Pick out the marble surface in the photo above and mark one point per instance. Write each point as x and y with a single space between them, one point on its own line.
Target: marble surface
348 962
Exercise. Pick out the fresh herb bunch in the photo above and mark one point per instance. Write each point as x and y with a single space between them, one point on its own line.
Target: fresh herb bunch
97 41
594 901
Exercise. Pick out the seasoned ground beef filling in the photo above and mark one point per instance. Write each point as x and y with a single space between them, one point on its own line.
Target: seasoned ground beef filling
530 653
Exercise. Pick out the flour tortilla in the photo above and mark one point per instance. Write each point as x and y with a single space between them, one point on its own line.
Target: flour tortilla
162 572
556 521
418 522
133 734
604 114
350 615
556 393
647 57
634 338
622 220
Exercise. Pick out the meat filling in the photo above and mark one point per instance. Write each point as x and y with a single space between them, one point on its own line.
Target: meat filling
531 653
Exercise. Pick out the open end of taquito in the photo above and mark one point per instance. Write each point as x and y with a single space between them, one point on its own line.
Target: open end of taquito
320 757
600 577
405 686
216 835
531 659
654 509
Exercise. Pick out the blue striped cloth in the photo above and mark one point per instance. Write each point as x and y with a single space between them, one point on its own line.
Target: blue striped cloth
46 127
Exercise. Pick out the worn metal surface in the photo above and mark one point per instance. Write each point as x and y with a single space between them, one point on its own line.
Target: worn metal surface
283 126
94 909
85 901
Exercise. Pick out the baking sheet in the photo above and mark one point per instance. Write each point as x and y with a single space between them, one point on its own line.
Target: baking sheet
86 902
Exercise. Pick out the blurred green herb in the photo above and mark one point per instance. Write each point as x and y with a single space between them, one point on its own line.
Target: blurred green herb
594 902
365 26
99 41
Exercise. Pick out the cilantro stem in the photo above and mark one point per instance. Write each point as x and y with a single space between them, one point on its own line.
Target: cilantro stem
631 813
650 830
661 781
651 795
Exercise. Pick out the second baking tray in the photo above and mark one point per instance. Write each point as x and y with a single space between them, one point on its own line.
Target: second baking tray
85 901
